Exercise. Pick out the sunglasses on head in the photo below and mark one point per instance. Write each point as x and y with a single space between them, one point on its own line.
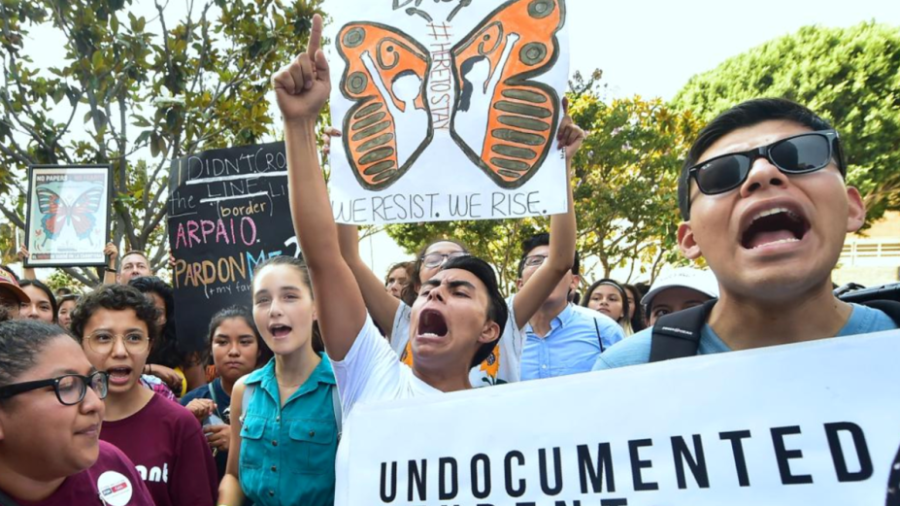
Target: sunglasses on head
799 154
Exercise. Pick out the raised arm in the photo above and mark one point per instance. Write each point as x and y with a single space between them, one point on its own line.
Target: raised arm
562 238
27 272
301 90
381 304
109 274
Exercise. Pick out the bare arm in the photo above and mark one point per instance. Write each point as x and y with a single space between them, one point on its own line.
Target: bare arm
381 304
230 492
111 251
27 272
562 239
301 89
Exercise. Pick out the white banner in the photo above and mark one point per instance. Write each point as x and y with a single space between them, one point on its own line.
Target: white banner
809 424
449 109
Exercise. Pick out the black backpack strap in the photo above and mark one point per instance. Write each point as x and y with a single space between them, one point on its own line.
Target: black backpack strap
599 338
888 307
677 335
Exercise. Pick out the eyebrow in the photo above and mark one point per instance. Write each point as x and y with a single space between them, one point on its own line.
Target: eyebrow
107 329
63 372
461 284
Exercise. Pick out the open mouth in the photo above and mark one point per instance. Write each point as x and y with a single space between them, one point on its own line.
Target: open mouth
278 330
432 324
774 226
119 375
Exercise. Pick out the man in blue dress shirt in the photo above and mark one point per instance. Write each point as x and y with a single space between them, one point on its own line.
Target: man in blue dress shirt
561 338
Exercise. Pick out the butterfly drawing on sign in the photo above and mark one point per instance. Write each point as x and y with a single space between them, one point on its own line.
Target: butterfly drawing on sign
80 213
503 120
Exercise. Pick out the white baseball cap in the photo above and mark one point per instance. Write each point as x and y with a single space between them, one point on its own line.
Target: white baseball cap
703 281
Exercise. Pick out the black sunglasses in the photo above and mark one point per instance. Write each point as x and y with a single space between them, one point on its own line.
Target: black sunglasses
70 389
799 154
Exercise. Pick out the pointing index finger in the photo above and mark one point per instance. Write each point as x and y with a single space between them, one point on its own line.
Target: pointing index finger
315 37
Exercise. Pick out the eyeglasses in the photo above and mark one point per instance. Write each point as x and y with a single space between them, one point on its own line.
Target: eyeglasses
70 389
438 259
799 154
535 260
103 342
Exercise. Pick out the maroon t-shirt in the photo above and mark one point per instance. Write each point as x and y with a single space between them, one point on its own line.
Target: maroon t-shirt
167 444
112 477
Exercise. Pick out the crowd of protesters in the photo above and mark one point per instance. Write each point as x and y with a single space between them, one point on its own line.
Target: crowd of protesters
99 385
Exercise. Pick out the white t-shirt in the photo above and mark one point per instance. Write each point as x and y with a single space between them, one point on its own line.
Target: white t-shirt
370 372
503 366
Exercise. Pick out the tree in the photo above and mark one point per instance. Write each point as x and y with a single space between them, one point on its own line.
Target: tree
170 89
848 75
624 187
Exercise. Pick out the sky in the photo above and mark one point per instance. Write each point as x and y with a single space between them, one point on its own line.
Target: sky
649 48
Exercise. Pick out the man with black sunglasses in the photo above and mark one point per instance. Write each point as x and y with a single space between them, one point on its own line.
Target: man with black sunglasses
764 202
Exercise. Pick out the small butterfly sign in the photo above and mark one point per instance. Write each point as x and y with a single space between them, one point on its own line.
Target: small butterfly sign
67 222
449 109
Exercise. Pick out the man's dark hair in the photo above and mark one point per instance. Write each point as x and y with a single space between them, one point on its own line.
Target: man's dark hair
496 310
114 298
47 290
747 114
411 291
21 344
167 349
543 240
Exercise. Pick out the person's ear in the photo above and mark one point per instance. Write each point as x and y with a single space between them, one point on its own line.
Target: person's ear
519 284
489 333
856 210
687 242
576 280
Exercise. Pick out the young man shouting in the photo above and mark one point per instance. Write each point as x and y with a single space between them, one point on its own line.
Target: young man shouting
764 201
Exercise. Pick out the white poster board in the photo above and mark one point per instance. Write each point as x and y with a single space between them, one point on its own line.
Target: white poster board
449 110
809 424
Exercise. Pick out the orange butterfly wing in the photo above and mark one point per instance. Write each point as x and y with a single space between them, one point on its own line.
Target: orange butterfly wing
370 128
524 114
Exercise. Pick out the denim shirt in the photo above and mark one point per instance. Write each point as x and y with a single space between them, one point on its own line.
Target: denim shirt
288 452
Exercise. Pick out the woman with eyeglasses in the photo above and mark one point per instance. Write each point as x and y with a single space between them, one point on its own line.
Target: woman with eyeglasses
117 326
51 410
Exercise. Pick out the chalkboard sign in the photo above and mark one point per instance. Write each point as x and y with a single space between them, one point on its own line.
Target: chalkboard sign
228 211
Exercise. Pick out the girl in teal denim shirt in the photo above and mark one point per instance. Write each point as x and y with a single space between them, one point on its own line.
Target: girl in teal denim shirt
284 452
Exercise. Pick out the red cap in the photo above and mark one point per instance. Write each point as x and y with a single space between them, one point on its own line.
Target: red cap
9 283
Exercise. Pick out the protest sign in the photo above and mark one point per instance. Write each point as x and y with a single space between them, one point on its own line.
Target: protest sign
228 211
68 215
813 423
449 110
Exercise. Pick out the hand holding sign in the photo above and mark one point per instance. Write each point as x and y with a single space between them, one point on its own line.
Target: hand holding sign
303 86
